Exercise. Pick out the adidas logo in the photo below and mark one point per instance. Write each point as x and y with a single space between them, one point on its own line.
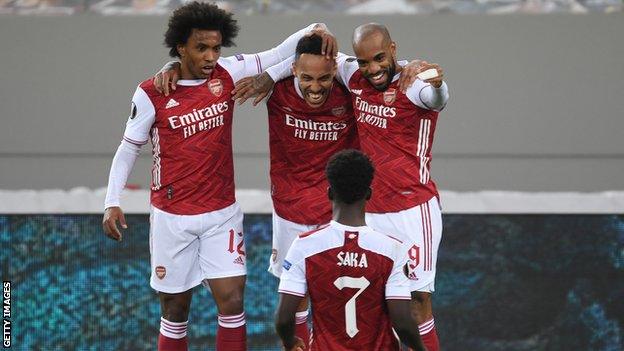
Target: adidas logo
239 260
172 103
356 91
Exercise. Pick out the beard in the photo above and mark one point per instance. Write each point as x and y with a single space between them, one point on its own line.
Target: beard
390 72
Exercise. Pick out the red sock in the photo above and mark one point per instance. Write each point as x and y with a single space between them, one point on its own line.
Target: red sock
232 333
301 327
429 335
172 336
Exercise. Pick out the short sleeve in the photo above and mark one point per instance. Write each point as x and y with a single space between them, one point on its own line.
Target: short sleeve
293 278
141 120
398 285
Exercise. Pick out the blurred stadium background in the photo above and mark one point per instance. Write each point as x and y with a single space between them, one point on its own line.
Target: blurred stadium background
529 153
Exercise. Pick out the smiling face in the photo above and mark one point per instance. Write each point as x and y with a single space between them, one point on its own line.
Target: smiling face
200 53
316 76
376 56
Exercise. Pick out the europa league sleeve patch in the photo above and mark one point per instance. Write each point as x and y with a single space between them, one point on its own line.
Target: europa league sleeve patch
133 110
287 265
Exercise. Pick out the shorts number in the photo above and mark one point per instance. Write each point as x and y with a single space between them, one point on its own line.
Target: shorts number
414 255
361 284
241 244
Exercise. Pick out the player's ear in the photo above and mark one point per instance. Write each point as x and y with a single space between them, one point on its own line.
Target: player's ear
369 193
393 48
330 193
181 50
293 69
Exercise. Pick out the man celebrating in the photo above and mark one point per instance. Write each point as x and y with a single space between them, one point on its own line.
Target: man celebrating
196 225
396 127
354 275
396 119
310 119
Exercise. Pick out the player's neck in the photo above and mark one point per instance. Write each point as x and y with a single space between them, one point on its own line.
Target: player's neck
350 215
186 74
398 68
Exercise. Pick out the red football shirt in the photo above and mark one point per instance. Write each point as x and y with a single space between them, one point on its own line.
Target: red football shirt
191 135
349 273
302 139
397 131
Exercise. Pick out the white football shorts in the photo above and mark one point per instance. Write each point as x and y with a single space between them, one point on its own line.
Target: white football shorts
284 233
188 249
420 229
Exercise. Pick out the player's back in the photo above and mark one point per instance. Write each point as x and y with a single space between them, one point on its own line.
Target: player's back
347 270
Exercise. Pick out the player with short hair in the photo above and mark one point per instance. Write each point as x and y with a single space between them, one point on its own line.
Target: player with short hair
396 125
196 231
310 118
354 275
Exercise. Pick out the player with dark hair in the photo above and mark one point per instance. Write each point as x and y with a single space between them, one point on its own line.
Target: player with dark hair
196 232
310 118
396 119
199 16
354 275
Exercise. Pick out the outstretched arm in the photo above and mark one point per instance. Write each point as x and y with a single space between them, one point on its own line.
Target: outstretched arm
242 66
261 84
246 65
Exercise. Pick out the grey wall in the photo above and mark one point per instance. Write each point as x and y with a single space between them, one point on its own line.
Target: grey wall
536 100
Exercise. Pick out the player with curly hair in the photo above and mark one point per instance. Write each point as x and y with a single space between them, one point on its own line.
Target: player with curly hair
196 230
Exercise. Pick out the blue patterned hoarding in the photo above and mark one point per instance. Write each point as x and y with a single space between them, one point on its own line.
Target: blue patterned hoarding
505 282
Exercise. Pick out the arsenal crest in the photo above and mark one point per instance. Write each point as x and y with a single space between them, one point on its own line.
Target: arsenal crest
338 111
389 96
215 86
161 272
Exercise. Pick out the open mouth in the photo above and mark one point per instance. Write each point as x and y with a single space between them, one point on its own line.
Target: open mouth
207 69
378 78
315 98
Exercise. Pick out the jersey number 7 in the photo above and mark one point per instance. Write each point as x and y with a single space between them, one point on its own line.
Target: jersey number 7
361 284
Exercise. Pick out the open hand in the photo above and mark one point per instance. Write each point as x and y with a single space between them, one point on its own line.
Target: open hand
329 48
259 86
165 80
